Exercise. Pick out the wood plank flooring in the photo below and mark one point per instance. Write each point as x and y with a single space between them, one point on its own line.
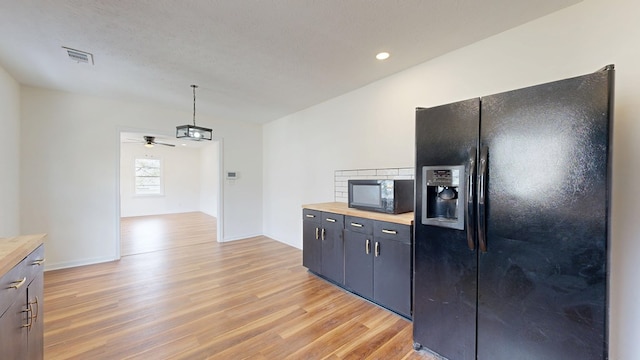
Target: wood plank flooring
246 299
140 234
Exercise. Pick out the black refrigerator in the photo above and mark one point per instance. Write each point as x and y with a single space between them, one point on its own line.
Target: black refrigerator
512 223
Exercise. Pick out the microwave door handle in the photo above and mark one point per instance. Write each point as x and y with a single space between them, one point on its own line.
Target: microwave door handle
470 215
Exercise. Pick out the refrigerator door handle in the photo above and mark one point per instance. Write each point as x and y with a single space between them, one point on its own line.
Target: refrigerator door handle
482 192
470 216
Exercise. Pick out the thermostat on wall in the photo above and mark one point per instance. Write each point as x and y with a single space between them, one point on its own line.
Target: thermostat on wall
232 175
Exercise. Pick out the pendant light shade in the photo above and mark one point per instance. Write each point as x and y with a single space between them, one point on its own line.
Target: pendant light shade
193 132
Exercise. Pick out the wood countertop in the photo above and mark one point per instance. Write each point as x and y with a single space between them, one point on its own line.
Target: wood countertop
344 209
14 249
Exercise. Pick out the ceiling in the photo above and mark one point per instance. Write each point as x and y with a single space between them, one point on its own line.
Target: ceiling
254 60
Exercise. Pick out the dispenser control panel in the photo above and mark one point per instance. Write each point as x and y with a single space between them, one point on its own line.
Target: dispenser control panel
443 177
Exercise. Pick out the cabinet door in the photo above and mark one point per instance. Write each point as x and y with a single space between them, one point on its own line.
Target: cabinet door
333 247
358 263
311 242
36 330
392 267
392 275
13 337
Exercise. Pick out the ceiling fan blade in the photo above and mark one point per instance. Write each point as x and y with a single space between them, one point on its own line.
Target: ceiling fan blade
165 144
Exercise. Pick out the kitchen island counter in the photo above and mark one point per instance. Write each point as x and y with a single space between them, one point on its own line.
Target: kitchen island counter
14 249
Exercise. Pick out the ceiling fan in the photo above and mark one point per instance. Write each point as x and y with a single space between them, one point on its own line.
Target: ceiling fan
149 141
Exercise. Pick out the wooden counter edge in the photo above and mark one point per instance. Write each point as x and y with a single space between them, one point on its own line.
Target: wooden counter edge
15 249
344 209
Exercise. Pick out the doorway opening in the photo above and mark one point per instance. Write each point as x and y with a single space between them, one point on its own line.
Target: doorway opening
170 192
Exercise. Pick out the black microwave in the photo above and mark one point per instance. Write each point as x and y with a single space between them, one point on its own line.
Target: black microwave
387 196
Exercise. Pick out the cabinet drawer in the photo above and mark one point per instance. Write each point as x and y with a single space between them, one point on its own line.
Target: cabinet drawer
331 220
311 215
392 231
18 277
357 224
35 263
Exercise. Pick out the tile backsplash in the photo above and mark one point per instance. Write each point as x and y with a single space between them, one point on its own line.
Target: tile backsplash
342 176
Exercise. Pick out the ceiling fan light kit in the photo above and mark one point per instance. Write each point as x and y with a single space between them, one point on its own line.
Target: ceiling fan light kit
193 132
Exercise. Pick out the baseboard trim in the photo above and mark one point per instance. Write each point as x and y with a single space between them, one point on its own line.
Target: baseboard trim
76 263
242 237
284 242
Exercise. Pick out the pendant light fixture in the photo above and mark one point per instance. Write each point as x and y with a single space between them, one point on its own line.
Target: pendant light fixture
193 132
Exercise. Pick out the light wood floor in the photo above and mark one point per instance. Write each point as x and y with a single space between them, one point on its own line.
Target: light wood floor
141 234
247 299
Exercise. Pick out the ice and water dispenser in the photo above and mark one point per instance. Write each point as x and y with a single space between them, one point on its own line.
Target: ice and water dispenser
443 200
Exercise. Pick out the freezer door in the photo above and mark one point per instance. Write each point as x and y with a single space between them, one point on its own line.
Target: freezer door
445 266
543 279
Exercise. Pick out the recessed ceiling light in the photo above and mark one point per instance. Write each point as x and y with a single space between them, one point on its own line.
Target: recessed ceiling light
382 56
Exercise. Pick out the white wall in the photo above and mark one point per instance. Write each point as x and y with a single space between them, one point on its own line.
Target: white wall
209 179
69 165
9 155
180 174
373 127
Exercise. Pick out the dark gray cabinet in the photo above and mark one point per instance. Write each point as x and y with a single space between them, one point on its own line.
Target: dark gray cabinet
358 256
378 262
332 247
365 255
35 318
12 335
323 244
392 266
311 242
21 289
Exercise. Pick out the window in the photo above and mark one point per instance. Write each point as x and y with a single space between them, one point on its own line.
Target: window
148 177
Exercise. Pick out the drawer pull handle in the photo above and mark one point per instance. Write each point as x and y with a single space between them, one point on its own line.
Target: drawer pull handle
310 216
331 220
38 262
367 247
356 225
17 284
317 236
377 249
392 232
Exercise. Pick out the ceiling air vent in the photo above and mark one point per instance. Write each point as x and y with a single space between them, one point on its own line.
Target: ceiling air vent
79 56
